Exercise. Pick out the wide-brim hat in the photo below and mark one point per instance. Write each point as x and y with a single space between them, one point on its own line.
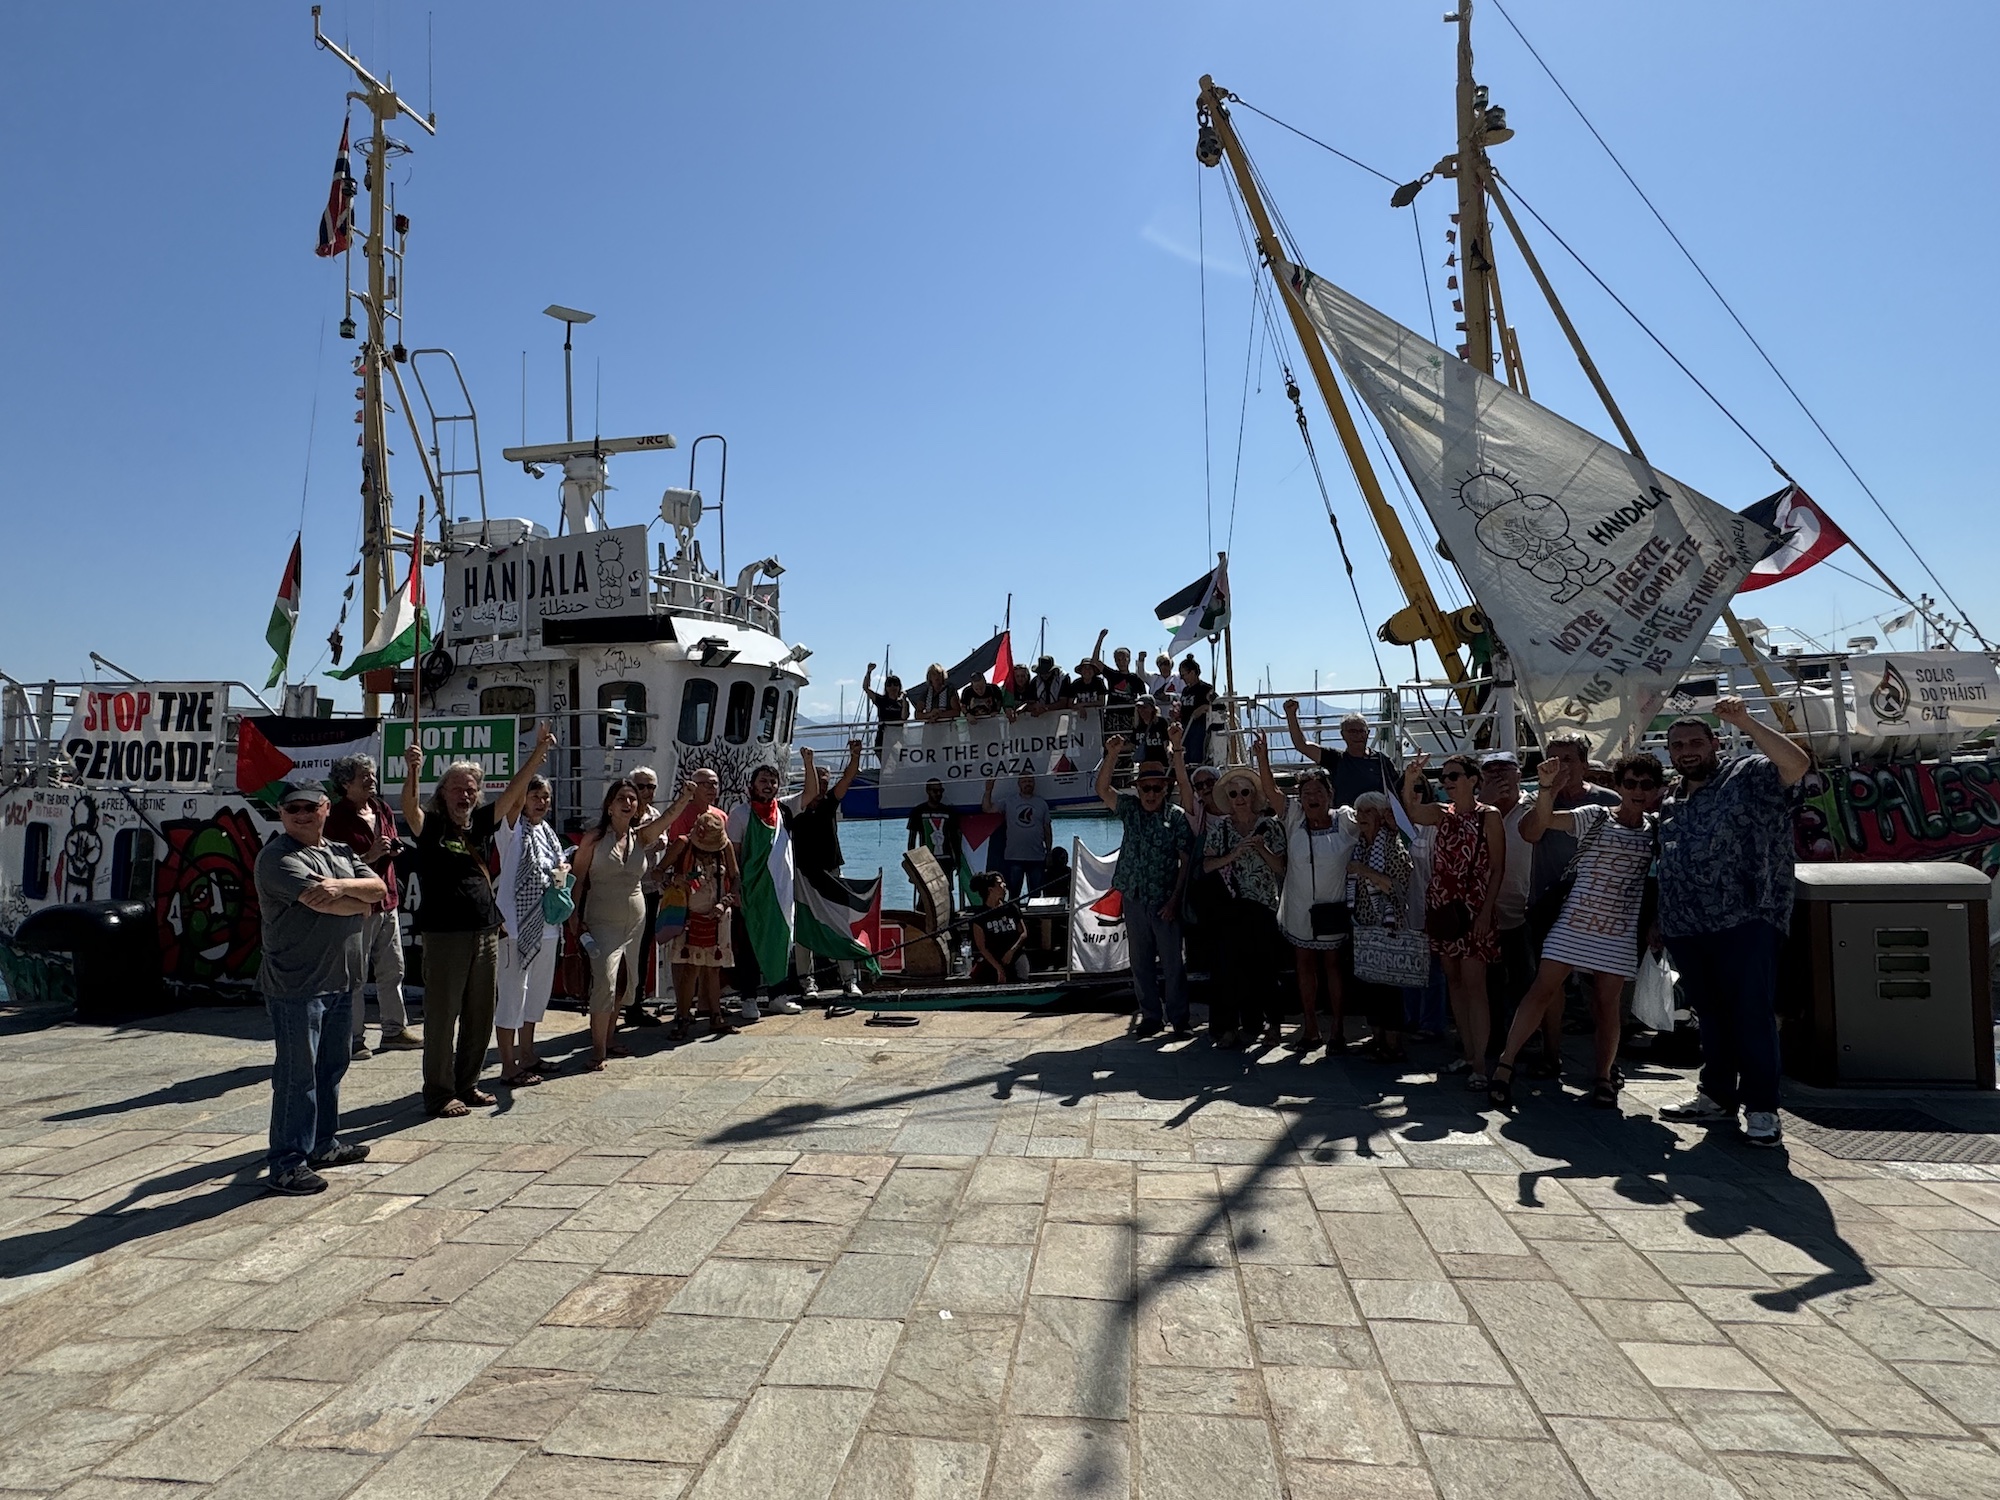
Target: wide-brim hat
1238 774
710 832
1149 770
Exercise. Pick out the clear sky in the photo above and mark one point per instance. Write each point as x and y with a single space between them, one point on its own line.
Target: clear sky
933 270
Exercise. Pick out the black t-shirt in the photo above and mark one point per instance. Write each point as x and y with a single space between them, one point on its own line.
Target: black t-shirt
982 698
1087 690
1354 774
1194 696
1124 687
816 836
888 711
451 868
1050 689
1002 926
936 829
1149 742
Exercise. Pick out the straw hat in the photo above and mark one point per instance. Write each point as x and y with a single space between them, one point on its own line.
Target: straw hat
1238 775
710 832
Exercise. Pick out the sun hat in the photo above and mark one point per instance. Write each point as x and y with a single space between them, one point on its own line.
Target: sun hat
710 832
1235 774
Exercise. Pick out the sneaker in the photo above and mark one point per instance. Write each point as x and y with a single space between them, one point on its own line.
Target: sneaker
790 1007
809 987
360 1049
1148 1027
343 1154
1700 1109
747 1011
300 1182
401 1039
852 989
1761 1128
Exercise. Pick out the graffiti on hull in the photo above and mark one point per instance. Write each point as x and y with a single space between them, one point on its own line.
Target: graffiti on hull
205 897
1899 812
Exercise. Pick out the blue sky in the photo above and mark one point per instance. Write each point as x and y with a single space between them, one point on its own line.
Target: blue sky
932 269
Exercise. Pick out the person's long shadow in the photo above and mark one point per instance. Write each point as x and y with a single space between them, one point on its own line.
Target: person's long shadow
185 1091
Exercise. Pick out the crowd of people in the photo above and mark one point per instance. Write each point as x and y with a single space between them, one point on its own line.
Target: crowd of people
1375 881
1361 879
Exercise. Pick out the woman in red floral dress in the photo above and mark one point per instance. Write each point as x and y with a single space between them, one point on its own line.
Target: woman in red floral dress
1468 858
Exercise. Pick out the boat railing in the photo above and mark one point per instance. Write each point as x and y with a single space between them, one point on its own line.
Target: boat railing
34 714
712 599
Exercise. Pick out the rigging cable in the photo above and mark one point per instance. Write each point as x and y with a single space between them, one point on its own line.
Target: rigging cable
1351 161
1242 415
1340 541
1762 354
1201 271
1424 272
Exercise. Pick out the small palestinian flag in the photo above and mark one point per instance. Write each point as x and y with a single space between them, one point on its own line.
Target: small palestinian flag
838 918
275 754
1200 609
403 634
284 616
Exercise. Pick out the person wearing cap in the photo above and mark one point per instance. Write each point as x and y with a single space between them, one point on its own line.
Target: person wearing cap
1151 878
1149 733
315 894
1245 849
1353 768
1196 708
1088 689
1048 688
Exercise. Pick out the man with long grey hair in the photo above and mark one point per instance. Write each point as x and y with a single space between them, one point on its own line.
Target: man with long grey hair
361 819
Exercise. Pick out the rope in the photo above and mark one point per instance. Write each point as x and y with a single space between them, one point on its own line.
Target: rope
1201 270
1743 328
1424 271
1351 161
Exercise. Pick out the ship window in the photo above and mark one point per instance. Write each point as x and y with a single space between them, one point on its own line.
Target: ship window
621 718
132 865
697 712
767 721
736 723
791 709
508 698
35 862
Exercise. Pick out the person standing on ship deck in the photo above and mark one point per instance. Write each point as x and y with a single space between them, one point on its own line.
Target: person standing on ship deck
934 825
1029 834
935 702
1354 767
891 707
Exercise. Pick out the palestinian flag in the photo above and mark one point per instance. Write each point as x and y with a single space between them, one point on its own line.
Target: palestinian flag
764 843
403 634
975 834
1200 609
284 615
275 754
993 661
838 918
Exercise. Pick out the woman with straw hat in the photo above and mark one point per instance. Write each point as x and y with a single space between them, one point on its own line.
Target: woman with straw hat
706 863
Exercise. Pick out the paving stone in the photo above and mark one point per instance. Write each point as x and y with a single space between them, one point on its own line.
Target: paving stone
1085 1260
1969 1392
847 1352
1655 1322
1567 1366
1178 1388
379 1412
443 1275
584 1350
1839 1381
1189 1457
1193 1319
1337 1414
507 1303
1593 1269
608 1301
979 1278
790 1442
539 1475
1328 1345
1380 1247
783 1240
676 1243
1279 1229
747 1289
94 1356
1933 1470
1701 1367
870 1286
1464 1225
511 1226
885 1466
206 1442
1892 1325
1773 1477
728 1180
1752 1422
290 1474
1499 1469
1715 1267
641 1427
1087 1460
1641 1460
441 1469
1937 1288
187 1375
922 1195
1482 1411
64 1445
947 1378
512 1404
984 1223
1074 1359
1326 1481
1453 1353
696 1356
1424 1301
1297 1294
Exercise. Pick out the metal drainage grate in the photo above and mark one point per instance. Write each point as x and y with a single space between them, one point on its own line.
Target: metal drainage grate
1889 1135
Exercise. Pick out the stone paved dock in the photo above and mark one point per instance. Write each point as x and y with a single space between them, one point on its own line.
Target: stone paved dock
991 1256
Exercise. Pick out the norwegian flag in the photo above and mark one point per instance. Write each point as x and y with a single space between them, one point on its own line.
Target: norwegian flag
336 225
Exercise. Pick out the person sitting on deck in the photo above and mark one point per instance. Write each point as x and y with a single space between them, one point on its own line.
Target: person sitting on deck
998 933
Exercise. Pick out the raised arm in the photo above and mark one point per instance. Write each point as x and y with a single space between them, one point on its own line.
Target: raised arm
868 677
515 794
1105 793
1430 814
1792 761
1097 651
842 786
809 794
1300 743
986 797
413 805
1260 753
1177 761
1543 814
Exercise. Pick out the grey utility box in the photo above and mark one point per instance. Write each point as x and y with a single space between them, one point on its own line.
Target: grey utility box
1885 977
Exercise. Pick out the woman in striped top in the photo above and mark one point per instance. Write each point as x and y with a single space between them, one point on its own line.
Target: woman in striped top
1598 931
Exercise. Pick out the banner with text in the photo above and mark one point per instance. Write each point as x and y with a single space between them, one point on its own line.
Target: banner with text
1097 940
1059 749
1924 692
487 743
148 734
502 592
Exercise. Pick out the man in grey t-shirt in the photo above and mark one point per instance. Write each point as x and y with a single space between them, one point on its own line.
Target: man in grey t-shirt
314 895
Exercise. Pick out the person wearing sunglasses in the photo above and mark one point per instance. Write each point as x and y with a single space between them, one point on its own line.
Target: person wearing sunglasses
1597 933
1245 849
1153 860
1468 867
315 894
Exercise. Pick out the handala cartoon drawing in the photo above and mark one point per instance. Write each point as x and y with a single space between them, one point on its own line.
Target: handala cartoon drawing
1533 530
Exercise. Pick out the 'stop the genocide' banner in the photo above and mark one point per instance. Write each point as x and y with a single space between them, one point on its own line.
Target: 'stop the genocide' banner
161 735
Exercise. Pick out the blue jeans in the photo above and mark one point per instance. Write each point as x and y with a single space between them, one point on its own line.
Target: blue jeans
1022 873
1156 956
1731 978
312 1038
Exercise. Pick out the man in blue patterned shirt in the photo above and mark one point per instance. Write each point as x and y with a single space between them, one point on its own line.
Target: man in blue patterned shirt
1153 861
1725 906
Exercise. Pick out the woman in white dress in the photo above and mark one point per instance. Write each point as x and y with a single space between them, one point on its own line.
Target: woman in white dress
1598 930
1312 909
531 860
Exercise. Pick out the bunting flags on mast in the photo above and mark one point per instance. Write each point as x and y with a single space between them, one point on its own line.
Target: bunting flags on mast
284 615
336 224
403 633
1809 537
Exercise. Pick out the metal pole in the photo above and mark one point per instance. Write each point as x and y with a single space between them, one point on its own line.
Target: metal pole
569 388
1474 261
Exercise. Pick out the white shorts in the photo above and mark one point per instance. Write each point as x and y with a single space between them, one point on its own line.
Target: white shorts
524 989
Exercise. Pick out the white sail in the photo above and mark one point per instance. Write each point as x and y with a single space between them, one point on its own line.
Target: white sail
1600 574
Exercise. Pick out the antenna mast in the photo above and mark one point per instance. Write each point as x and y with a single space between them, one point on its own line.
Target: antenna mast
378 572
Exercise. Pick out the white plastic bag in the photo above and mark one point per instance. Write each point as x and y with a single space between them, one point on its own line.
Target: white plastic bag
1653 993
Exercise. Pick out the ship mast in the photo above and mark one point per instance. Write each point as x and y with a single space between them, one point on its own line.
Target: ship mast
378 541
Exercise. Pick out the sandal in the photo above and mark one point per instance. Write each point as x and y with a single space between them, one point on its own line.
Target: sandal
614 1050
1499 1090
1297 1042
480 1098
527 1078
682 1029
452 1109
595 1065
1604 1095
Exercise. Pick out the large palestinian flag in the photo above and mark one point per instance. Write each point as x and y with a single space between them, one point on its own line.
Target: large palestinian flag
274 754
760 833
838 918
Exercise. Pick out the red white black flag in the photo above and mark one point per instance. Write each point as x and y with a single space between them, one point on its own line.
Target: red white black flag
336 225
1808 536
